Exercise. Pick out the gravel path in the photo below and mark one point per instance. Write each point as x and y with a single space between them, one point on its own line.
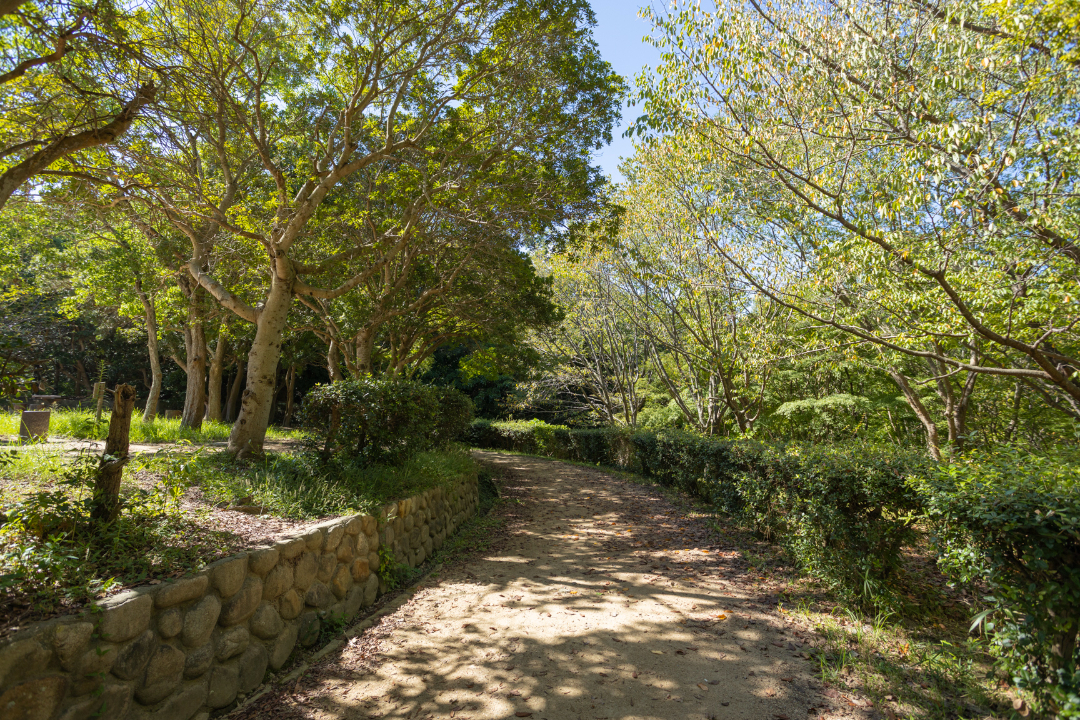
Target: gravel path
598 600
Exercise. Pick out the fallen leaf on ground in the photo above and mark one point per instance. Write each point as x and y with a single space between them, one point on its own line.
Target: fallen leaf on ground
657 652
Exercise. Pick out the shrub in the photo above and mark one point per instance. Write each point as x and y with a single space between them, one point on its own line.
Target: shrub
455 414
382 421
1013 522
842 512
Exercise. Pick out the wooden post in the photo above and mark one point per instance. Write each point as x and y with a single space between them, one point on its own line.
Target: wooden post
99 397
111 471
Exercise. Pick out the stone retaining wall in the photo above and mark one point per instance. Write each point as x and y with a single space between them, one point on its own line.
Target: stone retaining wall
191 647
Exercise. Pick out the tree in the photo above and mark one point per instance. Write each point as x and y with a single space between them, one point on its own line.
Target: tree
70 81
903 172
486 109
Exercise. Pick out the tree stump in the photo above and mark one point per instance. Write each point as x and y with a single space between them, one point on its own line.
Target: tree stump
111 470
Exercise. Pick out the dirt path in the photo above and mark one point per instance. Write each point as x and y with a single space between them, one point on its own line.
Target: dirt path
598 601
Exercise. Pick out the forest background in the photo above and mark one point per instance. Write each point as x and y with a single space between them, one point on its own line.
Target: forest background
843 225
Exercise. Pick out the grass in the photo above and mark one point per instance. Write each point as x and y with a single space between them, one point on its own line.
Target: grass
301 487
81 425
922 665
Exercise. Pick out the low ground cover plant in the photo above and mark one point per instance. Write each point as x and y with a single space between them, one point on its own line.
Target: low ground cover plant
54 556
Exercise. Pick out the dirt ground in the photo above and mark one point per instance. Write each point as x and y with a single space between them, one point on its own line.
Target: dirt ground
597 600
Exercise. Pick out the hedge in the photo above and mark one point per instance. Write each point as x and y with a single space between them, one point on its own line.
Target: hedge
1012 522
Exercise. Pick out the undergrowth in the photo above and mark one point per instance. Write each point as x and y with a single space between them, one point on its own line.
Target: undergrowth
53 558
81 425
302 486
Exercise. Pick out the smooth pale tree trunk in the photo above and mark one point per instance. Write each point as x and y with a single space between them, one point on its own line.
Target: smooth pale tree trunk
217 369
249 431
151 409
916 404
333 362
365 348
234 391
195 392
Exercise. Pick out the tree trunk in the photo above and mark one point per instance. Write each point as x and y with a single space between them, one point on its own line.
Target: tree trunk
151 409
234 391
290 387
217 369
249 432
913 400
195 348
333 362
365 348
106 497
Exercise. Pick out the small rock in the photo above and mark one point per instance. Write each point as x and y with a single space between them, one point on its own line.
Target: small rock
327 564
341 581
354 600
266 622
318 595
291 548
313 539
277 581
180 591
281 648
113 702
96 660
200 620
163 675
228 575
125 616
344 551
290 604
262 560
70 641
360 569
34 699
240 606
184 703
199 661
232 642
132 659
224 683
334 534
307 567
252 666
170 623
310 626
371 590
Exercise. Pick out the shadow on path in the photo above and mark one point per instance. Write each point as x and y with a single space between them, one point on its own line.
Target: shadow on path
599 601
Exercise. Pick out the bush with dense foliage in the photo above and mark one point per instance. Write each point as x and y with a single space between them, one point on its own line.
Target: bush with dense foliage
383 420
1013 523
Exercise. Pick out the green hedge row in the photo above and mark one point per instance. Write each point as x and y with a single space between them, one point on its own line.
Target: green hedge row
383 421
1008 523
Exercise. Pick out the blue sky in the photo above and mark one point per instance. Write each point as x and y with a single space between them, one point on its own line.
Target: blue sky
618 32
